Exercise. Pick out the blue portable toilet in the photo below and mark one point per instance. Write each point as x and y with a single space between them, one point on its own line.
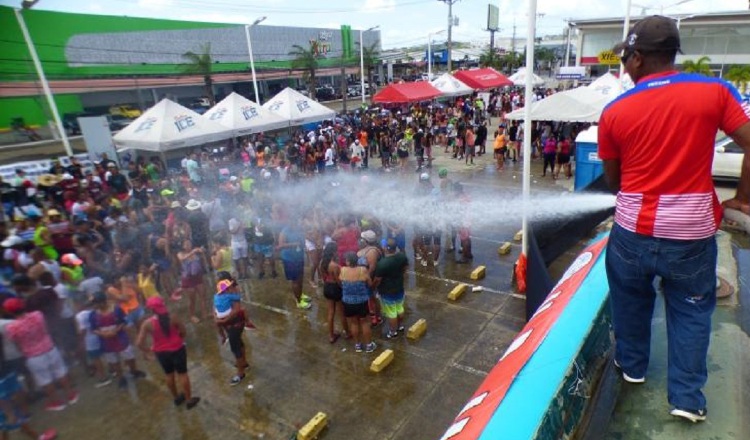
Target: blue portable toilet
588 165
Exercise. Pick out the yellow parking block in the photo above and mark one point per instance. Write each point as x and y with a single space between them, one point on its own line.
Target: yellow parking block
457 292
382 361
312 429
504 248
518 236
417 330
478 273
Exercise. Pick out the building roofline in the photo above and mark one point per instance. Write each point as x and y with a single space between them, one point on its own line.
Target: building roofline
725 15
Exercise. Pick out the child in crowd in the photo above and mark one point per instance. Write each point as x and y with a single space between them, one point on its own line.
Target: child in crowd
108 321
91 343
227 293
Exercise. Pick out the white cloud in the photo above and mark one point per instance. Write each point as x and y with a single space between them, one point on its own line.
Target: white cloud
371 6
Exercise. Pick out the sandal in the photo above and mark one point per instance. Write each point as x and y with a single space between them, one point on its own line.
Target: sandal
334 337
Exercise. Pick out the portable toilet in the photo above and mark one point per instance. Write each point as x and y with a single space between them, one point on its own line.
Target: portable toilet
588 165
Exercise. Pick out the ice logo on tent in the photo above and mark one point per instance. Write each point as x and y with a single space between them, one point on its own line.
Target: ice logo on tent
218 114
303 104
145 125
249 112
275 106
183 122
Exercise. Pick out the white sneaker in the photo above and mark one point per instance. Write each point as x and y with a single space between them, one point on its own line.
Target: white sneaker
695 417
629 379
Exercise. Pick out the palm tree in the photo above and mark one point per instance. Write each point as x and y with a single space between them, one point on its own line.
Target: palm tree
701 66
201 64
307 61
371 56
740 75
490 58
510 61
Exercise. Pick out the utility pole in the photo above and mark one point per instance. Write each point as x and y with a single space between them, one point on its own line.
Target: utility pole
513 38
450 32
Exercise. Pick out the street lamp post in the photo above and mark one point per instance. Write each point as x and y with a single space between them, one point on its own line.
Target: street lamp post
429 53
42 77
362 61
250 51
625 29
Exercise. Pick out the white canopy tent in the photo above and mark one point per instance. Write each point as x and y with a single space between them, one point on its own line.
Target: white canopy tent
169 126
243 116
450 86
519 78
297 109
582 104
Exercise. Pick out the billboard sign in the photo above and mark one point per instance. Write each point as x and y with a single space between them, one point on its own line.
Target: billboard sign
493 17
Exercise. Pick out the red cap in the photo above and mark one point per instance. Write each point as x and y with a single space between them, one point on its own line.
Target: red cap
14 305
156 304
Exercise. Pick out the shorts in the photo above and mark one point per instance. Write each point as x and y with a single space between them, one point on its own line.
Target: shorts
125 355
46 367
135 316
501 150
236 345
162 263
239 251
332 291
431 239
563 159
190 281
392 309
359 310
9 386
64 334
93 355
402 154
293 270
264 249
173 361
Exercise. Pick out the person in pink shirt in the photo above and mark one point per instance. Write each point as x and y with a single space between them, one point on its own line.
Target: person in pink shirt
43 360
168 345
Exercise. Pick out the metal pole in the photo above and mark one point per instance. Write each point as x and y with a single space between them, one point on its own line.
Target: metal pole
450 36
252 62
429 57
625 29
527 124
362 65
567 47
43 80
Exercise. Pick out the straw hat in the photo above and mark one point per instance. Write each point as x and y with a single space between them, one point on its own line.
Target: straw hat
49 179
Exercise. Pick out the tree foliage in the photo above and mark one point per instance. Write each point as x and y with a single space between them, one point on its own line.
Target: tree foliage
307 61
371 58
739 75
201 64
700 66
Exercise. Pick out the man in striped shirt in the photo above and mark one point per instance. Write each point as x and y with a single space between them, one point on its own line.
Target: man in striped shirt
656 142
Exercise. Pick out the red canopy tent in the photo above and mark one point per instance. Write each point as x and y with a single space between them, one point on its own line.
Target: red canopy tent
487 78
406 92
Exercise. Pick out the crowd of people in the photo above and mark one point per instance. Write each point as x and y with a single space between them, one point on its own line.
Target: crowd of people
98 260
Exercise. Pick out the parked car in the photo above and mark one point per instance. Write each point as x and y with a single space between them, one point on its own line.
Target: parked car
70 122
125 110
117 122
728 158
325 93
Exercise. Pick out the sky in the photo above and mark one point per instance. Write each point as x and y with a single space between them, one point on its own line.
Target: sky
402 22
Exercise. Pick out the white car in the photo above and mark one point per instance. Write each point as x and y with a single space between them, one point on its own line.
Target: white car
727 160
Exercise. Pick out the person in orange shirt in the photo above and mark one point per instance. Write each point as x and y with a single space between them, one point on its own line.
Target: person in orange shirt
500 147
124 292
260 158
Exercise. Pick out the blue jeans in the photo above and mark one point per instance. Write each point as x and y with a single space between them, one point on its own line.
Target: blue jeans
688 272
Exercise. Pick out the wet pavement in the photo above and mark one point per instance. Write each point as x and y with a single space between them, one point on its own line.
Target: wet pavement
295 372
